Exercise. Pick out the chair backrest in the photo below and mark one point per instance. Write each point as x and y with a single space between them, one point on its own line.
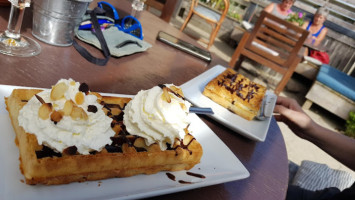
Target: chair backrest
166 7
276 39
225 9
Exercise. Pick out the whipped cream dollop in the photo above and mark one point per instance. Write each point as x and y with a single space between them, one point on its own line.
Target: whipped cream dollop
87 134
158 116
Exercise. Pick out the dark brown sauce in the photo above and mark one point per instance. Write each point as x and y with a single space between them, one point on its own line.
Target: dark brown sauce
84 88
140 149
113 149
171 176
107 105
70 150
236 86
47 152
183 146
184 182
195 175
92 108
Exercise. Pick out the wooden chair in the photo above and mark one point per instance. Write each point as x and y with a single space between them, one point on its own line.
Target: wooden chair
213 18
166 7
274 43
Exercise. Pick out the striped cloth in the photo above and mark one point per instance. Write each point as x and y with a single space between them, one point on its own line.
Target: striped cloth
315 176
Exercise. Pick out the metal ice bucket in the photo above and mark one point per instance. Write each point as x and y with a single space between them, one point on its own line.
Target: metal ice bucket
55 21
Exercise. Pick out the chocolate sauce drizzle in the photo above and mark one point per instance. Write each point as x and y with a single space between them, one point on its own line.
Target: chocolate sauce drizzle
184 182
47 152
195 175
170 176
236 87
84 88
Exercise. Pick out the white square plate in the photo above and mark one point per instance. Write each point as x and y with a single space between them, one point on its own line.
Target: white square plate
254 129
218 165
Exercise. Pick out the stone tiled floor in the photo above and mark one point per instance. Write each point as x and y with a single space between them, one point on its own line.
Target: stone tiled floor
297 149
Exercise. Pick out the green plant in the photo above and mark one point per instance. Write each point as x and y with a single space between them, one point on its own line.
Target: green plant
350 125
216 4
297 17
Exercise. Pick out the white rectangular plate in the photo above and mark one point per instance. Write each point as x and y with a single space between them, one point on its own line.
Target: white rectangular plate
254 129
218 164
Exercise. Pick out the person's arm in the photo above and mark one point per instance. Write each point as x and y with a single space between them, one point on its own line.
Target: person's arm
304 26
321 36
335 144
269 7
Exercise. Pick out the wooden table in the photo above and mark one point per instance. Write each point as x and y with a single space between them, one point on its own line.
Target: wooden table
266 161
314 46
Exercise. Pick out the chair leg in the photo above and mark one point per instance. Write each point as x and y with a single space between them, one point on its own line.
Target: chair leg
287 76
238 64
213 35
238 51
235 58
186 21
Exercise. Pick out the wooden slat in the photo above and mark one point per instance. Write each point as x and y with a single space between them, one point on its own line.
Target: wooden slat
311 9
275 35
350 2
334 7
267 55
280 28
260 59
275 42
283 54
335 102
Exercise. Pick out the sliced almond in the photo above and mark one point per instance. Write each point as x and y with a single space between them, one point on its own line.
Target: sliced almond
165 96
45 110
176 90
78 113
79 98
99 97
72 83
68 107
58 91
139 142
56 116
40 99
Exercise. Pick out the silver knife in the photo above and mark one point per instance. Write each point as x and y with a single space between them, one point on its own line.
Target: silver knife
203 111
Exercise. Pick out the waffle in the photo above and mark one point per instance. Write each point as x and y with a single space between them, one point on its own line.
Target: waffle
128 155
236 93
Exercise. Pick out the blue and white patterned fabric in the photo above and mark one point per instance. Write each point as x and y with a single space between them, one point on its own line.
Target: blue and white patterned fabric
316 176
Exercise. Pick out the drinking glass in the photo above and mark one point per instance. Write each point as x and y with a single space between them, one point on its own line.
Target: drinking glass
11 41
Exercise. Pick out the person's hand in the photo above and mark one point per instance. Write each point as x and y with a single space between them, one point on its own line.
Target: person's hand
337 145
290 112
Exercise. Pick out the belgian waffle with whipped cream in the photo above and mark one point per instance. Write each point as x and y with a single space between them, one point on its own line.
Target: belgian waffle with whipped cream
237 93
124 155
